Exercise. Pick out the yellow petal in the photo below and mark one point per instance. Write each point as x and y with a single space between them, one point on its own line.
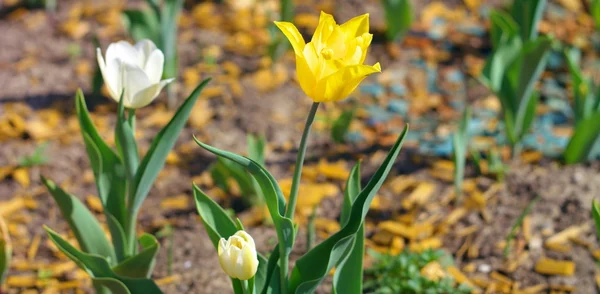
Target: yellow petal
292 34
357 26
306 77
340 84
323 31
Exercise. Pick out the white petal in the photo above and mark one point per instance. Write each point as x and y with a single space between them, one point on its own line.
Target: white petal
154 66
111 74
124 51
235 262
134 81
247 239
145 48
147 95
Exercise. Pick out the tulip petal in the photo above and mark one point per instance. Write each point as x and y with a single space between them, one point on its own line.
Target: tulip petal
144 49
292 34
342 83
110 75
134 80
123 51
154 66
249 265
323 32
356 26
247 238
147 95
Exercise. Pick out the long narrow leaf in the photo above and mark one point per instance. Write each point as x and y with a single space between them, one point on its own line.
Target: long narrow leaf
348 276
162 144
85 227
142 264
98 267
312 268
582 142
106 164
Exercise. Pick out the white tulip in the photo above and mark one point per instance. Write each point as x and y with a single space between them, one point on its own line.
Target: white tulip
237 256
136 69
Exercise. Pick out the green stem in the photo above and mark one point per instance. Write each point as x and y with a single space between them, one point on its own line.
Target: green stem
130 233
289 213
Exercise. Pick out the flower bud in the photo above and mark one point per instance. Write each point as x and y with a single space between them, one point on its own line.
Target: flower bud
237 256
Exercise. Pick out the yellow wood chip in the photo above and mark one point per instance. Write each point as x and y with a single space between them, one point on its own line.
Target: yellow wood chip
456 215
401 183
94 203
549 266
21 175
397 245
24 281
176 202
419 196
168 280
459 276
567 234
417 231
33 248
431 243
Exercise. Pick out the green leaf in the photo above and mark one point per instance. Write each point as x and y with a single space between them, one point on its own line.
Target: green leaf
106 164
314 266
528 13
219 225
168 32
142 24
582 142
5 250
460 140
142 264
271 282
526 72
503 28
348 276
85 227
595 12
256 148
125 141
162 144
97 267
109 286
117 233
498 63
398 18
341 125
270 189
596 216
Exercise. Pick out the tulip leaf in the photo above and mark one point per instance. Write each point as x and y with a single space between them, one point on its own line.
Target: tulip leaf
398 18
168 34
5 250
340 126
125 141
348 276
117 233
109 286
270 189
142 264
142 24
219 225
460 140
503 27
85 227
596 216
256 148
584 138
528 13
106 164
271 273
162 144
314 266
98 268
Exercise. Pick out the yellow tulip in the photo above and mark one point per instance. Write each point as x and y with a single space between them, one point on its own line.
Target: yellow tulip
237 256
330 66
